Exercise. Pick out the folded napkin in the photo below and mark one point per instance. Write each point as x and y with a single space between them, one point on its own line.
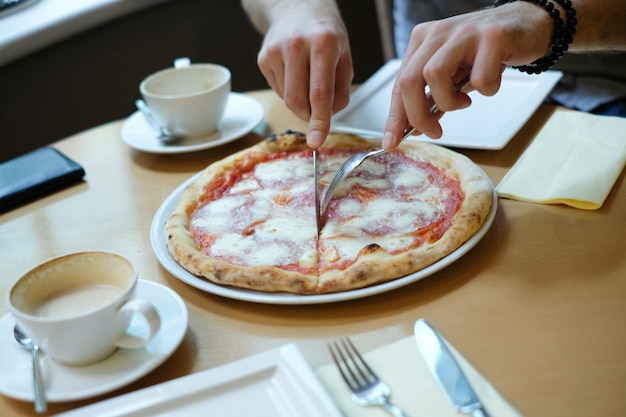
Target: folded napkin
575 160
413 388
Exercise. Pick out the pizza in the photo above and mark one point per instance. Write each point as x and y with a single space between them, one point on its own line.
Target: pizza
248 220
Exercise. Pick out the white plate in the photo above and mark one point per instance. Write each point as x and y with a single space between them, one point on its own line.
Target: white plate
158 240
271 384
489 123
69 383
241 116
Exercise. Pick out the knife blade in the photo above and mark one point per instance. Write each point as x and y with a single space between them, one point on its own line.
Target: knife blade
316 180
447 371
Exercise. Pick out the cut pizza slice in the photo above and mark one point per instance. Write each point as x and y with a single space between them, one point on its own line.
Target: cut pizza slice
249 220
398 213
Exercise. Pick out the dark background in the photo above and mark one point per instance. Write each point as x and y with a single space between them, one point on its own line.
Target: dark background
93 77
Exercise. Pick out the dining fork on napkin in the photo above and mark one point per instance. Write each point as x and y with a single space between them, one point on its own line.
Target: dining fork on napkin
415 390
575 159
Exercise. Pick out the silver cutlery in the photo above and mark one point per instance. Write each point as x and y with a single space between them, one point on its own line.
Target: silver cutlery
366 387
358 158
447 371
316 183
41 404
165 136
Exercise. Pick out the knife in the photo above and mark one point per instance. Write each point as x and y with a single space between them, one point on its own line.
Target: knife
447 371
316 180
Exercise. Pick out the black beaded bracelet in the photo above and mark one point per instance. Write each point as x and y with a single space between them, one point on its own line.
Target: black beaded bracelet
562 37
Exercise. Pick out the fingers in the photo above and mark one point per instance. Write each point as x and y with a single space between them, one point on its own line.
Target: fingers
284 62
410 106
321 94
310 67
329 91
343 82
487 71
296 78
272 70
397 120
440 54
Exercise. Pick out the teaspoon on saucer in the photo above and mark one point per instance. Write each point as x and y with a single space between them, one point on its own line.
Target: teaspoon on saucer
165 136
41 404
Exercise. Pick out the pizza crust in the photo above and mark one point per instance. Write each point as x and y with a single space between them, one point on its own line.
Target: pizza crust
374 264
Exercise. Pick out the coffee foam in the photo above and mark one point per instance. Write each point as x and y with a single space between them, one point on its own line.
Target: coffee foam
78 301
66 274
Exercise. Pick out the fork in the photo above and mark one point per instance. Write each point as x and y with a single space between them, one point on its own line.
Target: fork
367 388
358 158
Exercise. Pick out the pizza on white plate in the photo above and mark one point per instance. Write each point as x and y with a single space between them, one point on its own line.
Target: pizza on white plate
249 220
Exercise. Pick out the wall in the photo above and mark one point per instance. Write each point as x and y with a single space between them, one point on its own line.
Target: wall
93 77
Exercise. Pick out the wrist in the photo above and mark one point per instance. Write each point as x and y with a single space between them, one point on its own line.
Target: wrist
318 10
265 13
563 17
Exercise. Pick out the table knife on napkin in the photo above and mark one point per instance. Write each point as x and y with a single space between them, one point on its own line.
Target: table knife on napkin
447 371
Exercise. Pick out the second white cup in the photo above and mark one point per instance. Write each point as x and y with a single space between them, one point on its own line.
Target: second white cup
188 100
78 307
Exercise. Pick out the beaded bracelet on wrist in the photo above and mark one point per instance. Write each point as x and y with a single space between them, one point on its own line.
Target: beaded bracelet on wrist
561 38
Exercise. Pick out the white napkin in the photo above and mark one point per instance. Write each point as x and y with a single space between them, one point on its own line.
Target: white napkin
575 160
413 388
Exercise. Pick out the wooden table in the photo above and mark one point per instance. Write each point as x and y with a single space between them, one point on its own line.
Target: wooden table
538 306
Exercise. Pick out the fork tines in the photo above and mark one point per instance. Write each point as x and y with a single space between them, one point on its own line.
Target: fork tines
353 369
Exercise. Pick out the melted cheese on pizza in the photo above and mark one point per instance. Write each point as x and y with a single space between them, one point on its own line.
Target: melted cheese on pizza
391 201
251 222
266 215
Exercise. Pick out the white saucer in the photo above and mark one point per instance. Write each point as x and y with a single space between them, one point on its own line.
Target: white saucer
241 116
69 383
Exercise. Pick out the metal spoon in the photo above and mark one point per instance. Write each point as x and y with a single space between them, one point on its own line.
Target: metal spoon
41 404
165 136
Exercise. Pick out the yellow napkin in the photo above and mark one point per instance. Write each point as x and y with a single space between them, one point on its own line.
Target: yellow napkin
575 160
413 388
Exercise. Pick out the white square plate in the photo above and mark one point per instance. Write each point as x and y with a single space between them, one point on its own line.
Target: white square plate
275 383
489 123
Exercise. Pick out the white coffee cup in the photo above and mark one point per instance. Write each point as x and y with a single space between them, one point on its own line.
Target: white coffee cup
188 100
78 308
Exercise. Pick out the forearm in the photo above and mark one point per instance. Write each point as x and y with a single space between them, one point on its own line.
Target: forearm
264 13
601 25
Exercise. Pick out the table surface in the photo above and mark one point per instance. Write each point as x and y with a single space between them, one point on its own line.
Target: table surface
538 306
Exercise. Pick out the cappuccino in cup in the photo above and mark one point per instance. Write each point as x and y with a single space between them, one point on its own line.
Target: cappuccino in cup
78 308
78 301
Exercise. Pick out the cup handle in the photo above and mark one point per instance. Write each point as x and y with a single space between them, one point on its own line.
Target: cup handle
182 62
151 316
